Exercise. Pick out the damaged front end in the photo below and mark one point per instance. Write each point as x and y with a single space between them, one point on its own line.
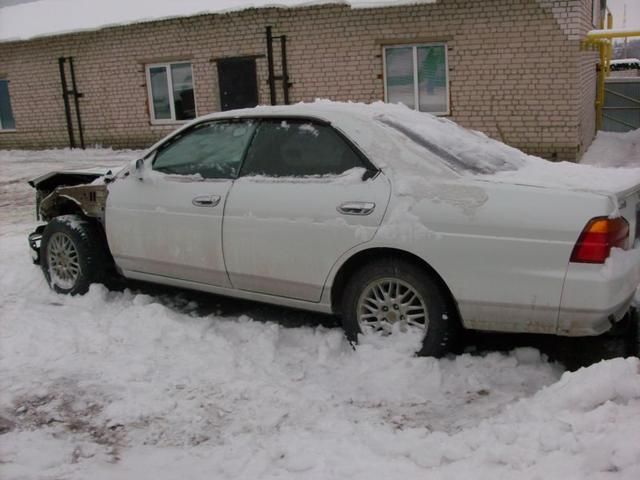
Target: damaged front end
64 193
88 200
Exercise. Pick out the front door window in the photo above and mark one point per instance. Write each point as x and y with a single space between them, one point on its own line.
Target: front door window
211 150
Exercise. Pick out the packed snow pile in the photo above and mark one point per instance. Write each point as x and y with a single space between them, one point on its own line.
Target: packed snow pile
613 149
51 17
124 385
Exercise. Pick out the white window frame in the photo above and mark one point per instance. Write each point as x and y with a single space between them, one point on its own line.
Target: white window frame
172 108
416 95
2 129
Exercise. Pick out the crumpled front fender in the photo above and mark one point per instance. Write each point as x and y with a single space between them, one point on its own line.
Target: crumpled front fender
89 199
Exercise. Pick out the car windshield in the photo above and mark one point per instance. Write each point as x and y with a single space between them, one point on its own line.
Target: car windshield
462 150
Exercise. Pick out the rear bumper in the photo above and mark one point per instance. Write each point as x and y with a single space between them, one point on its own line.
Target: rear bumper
35 238
595 297
583 323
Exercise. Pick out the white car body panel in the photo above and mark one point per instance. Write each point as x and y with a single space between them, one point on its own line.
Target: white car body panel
282 237
501 248
156 232
506 269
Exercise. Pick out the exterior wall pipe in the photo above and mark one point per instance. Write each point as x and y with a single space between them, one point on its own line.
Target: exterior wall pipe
603 40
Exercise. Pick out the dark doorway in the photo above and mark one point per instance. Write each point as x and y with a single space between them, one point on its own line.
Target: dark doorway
238 83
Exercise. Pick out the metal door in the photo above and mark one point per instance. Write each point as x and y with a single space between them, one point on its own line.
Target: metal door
238 83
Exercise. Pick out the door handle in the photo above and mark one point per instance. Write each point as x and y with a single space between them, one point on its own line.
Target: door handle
356 208
206 201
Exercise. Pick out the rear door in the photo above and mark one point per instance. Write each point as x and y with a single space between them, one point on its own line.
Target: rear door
305 196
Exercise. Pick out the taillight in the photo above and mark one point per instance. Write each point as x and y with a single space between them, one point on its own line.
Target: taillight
598 238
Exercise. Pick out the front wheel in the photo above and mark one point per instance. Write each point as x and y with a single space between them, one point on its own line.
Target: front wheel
395 297
73 254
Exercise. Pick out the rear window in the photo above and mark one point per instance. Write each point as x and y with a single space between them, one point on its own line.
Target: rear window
464 151
295 148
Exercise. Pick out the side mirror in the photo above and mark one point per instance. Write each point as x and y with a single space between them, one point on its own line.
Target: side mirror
108 177
369 173
139 169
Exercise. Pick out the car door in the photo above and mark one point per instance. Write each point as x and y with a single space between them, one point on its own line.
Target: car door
165 217
305 196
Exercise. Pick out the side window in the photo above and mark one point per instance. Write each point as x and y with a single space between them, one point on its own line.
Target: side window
6 114
212 150
283 148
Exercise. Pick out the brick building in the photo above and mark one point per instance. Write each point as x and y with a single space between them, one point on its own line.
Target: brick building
510 68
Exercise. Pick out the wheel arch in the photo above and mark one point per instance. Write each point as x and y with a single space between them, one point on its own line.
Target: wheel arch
361 258
57 205
85 200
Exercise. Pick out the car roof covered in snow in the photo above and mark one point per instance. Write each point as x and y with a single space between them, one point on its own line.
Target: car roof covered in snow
398 138
409 144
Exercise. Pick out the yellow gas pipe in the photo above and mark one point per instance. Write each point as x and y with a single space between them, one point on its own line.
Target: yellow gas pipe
603 40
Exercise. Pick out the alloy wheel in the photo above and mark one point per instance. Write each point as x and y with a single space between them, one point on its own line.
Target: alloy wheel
389 303
63 261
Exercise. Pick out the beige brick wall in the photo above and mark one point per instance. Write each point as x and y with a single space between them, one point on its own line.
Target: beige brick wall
516 71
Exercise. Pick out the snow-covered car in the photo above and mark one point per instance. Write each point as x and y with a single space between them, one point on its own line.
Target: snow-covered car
397 220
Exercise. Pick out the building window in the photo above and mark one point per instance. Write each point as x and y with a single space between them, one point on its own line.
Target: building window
416 75
171 97
6 114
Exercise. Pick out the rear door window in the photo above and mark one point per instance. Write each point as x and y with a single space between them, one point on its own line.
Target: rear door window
298 148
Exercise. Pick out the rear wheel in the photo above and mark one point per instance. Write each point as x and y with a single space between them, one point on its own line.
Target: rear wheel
394 297
73 254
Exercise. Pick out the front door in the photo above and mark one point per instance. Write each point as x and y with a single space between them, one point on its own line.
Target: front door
165 218
303 199
238 83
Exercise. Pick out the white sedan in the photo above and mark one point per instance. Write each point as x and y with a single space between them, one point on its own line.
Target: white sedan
397 220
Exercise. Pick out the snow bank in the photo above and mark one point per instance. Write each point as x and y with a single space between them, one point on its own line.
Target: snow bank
613 149
51 17
123 385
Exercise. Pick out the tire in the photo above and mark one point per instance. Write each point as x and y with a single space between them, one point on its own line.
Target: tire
73 254
442 326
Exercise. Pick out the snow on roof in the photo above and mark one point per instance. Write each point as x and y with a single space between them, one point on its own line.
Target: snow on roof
415 145
615 31
624 60
54 17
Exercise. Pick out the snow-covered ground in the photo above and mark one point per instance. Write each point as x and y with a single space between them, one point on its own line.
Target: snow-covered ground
614 149
151 385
